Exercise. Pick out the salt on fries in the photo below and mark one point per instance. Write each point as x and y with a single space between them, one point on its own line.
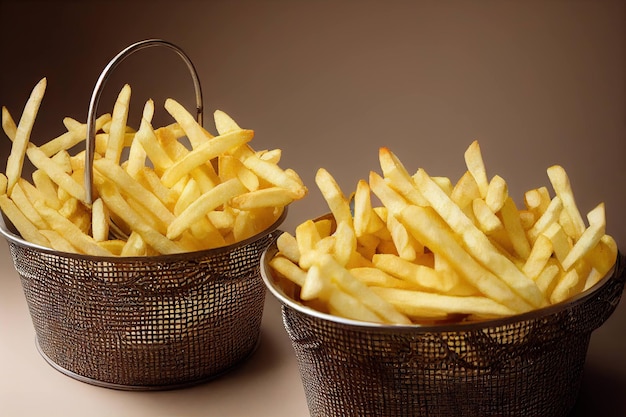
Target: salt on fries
164 198
437 251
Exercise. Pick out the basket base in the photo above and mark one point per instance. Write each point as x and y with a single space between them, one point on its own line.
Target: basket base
124 387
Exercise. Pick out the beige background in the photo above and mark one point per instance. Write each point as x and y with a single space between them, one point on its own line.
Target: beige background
537 82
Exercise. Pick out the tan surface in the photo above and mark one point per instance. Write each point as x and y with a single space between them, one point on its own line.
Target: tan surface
537 82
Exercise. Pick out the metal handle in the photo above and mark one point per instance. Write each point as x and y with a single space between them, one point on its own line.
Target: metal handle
95 98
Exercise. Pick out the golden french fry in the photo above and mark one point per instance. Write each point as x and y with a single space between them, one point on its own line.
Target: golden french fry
486 220
25 227
399 178
72 233
74 135
477 244
3 184
266 197
465 191
341 276
392 200
24 202
419 304
344 243
424 277
219 195
288 247
476 166
58 242
375 277
8 124
147 138
603 255
99 221
129 186
589 238
117 131
203 153
431 230
550 216
365 219
134 246
56 173
548 278
137 154
196 134
116 204
571 282
562 188
538 257
334 196
289 270
561 242
224 123
513 226
537 200
343 304
15 161
497 193
273 174
231 167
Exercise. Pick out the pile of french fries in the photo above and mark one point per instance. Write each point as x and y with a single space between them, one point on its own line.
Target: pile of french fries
172 189
417 249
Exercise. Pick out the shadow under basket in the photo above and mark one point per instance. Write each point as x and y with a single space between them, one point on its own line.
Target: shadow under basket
144 323
526 365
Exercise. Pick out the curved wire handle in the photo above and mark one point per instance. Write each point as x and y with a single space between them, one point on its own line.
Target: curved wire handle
95 98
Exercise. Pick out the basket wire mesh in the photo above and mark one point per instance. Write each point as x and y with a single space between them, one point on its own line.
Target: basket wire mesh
527 365
142 323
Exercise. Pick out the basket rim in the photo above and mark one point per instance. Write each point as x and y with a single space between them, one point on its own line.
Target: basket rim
269 252
14 238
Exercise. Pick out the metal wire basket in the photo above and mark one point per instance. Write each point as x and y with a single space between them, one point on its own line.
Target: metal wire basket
141 323
527 365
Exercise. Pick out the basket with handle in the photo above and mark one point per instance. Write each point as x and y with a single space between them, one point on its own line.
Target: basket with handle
526 365
142 323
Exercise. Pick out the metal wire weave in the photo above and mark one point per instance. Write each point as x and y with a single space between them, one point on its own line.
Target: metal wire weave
144 323
528 365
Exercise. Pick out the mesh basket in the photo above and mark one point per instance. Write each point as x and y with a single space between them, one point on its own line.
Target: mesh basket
527 365
152 322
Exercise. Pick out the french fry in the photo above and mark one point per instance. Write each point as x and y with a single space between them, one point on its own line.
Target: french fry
25 227
203 153
196 134
273 174
289 270
427 227
72 233
477 244
589 238
56 173
513 226
219 195
15 161
334 196
116 203
99 221
476 166
419 304
497 193
8 124
562 188
115 142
